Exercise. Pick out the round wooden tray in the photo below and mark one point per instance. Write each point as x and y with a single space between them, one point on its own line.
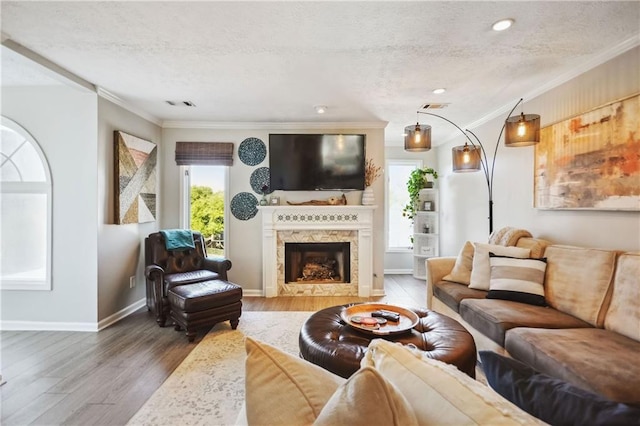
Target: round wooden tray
408 318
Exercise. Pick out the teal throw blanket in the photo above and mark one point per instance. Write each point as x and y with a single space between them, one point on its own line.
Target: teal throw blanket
178 239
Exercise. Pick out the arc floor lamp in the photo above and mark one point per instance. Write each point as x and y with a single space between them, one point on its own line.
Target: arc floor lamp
519 130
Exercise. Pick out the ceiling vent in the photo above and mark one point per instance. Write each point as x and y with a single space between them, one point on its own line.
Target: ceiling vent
434 106
181 103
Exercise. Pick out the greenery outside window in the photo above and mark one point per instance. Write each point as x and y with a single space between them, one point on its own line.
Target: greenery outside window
204 204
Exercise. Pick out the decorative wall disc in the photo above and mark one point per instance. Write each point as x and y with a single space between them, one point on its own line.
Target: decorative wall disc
243 206
261 178
252 151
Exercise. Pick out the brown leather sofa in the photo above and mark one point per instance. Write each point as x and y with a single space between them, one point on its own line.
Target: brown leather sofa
168 269
589 332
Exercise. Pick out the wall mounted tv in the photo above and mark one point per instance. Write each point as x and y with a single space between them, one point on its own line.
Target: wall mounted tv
316 162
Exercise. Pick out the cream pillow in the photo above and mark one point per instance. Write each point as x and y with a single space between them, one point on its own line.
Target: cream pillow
283 389
461 272
481 270
367 398
439 393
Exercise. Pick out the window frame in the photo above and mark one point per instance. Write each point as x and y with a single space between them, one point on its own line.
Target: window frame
185 202
46 188
417 163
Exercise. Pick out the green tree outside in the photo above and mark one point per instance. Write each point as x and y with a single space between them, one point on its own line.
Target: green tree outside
207 216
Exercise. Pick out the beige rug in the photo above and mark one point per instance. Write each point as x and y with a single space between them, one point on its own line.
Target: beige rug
208 387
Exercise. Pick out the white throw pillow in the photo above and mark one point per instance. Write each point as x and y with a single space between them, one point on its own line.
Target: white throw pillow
439 393
481 271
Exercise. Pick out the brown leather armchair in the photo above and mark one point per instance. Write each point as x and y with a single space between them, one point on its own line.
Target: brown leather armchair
167 269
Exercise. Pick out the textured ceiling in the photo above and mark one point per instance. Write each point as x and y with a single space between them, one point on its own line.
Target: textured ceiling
273 61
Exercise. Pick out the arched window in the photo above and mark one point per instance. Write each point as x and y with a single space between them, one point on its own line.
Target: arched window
25 211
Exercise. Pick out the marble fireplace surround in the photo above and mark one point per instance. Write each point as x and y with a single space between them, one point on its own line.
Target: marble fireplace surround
284 224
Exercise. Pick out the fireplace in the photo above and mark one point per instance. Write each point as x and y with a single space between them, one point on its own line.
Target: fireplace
341 234
317 263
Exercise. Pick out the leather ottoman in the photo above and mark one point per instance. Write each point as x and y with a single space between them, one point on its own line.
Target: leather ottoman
329 342
204 304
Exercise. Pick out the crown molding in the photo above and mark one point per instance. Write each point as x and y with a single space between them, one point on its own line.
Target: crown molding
103 93
258 125
49 68
592 63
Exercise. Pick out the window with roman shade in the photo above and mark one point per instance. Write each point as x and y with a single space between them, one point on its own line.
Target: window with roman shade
204 153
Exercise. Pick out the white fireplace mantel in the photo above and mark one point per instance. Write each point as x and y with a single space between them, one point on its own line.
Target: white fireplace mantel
321 219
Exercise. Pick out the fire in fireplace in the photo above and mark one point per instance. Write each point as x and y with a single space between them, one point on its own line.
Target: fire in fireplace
317 263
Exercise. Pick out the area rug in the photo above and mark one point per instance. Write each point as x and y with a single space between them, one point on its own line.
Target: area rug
208 387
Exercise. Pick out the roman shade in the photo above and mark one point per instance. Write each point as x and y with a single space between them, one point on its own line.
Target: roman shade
204 153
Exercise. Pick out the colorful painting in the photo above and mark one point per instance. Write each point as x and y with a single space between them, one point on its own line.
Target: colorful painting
591 161
135 161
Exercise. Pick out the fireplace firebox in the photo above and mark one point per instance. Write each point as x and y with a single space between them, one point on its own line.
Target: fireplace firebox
317 263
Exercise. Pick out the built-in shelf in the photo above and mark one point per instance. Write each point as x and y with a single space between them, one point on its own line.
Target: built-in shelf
426 228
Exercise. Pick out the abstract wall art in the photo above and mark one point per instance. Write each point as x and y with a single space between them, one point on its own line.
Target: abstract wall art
135 162
591 161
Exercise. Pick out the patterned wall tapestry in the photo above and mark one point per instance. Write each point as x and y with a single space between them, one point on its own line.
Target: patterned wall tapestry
591 161
135 161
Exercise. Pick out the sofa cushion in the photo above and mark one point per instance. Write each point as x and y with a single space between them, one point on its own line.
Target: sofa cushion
520 280
461 272
190 277
481 272
494 317
283 389
577 281
451 294
367 398
439 393
623 315
551 399
593 359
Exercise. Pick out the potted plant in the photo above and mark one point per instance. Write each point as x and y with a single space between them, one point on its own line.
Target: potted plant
417 181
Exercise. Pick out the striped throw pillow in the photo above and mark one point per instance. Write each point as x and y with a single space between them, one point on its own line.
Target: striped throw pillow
520 280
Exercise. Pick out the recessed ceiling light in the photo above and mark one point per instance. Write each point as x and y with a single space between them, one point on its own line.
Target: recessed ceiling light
502 24
438 91
320 109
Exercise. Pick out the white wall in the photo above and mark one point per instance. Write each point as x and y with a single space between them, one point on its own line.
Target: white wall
63 121
403 261
120 247
244 237
464 196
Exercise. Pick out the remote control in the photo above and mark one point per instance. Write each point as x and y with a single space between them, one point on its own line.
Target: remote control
388 315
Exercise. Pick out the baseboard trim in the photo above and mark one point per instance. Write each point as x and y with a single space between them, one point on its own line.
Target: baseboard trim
398 271
72 326
48 326
378 292
114 318
252 293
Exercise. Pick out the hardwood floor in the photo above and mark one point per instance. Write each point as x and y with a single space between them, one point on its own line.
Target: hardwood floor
55 377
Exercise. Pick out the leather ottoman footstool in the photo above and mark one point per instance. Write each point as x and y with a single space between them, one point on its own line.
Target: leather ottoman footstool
204 304
329 342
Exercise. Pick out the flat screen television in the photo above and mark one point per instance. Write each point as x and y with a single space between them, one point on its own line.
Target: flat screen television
316 162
